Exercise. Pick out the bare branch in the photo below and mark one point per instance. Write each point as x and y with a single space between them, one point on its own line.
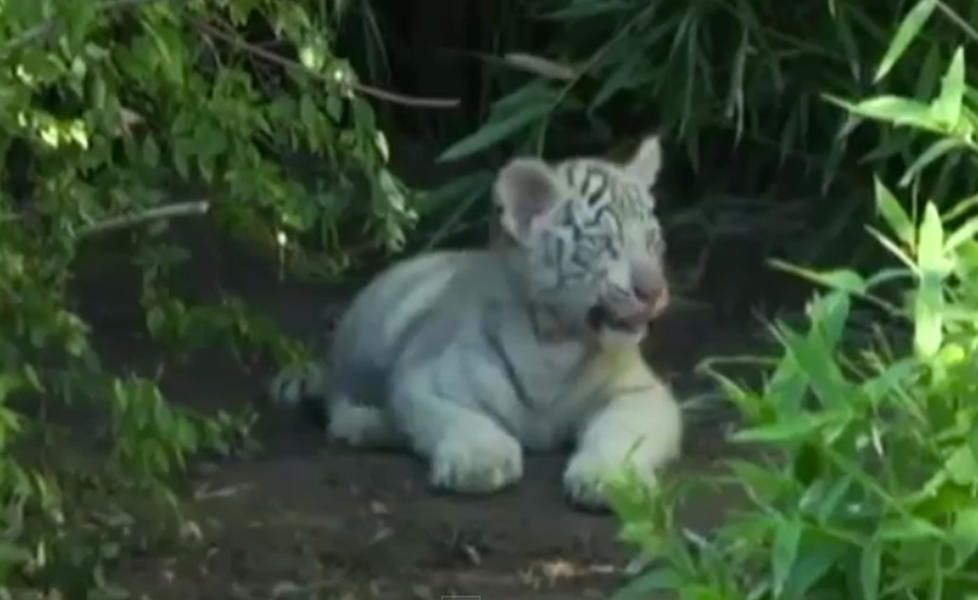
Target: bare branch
367 90
179 209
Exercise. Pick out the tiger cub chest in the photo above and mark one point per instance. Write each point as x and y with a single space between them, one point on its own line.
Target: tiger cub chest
542 372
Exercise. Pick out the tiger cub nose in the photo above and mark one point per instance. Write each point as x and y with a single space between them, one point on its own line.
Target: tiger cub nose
654 297
648 294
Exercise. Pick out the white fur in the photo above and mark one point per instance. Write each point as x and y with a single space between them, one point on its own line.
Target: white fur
289 386
361 425
467 359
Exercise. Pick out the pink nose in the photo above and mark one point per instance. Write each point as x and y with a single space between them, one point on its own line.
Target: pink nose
655 298
649 295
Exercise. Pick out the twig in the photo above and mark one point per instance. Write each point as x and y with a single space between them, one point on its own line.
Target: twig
179 209
290 64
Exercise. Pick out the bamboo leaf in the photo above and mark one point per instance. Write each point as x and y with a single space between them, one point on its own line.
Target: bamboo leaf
906 33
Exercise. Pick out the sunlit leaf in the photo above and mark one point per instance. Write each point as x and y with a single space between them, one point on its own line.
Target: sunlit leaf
792 428
965 232
895 110
946 109
963 467
894 215
905 34
964 534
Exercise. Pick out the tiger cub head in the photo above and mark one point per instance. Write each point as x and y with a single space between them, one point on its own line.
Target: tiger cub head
588 244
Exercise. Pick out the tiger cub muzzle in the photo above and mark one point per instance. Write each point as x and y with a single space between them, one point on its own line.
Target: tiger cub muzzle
650 303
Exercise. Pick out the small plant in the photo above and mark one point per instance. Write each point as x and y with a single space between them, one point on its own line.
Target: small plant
858 475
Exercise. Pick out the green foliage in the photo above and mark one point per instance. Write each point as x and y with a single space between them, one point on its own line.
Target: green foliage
111 114
751 67
859 468
736 86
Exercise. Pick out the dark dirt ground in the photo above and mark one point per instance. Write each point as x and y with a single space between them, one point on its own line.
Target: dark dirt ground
301 519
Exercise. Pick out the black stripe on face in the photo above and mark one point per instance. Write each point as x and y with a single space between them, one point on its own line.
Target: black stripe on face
594 173
596 217
571 173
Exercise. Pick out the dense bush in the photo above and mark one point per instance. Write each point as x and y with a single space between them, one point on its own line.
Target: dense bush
860 459
113 114
737 88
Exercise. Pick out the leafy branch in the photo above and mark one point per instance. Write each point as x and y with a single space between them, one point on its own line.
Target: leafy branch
339 78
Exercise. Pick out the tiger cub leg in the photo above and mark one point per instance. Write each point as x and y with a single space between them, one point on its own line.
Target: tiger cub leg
641 429
467 451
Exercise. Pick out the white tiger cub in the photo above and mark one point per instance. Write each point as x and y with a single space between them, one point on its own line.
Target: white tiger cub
467 357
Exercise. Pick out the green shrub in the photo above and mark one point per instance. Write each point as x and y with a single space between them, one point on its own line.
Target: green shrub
859 461
112 114
735 86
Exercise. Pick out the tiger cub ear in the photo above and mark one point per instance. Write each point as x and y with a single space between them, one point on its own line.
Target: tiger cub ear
647 161
525 190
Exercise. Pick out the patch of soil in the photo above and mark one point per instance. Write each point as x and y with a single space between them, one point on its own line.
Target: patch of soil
303 519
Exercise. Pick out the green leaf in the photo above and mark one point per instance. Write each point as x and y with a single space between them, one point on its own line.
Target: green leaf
897 376
11 554
786 386
929 302
815 359
840 279
962 467
964 233
960 208
934 152
832 498
308 114
653 581
828 315
815 558
334 108
964 534
947 107
905 34
928 317
930 244
762 481
494 132
784 551
908 529
151 152
576 11
895 110
896 218
792 428
869 569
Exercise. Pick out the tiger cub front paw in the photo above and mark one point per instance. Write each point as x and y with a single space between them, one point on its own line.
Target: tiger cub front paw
476 461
